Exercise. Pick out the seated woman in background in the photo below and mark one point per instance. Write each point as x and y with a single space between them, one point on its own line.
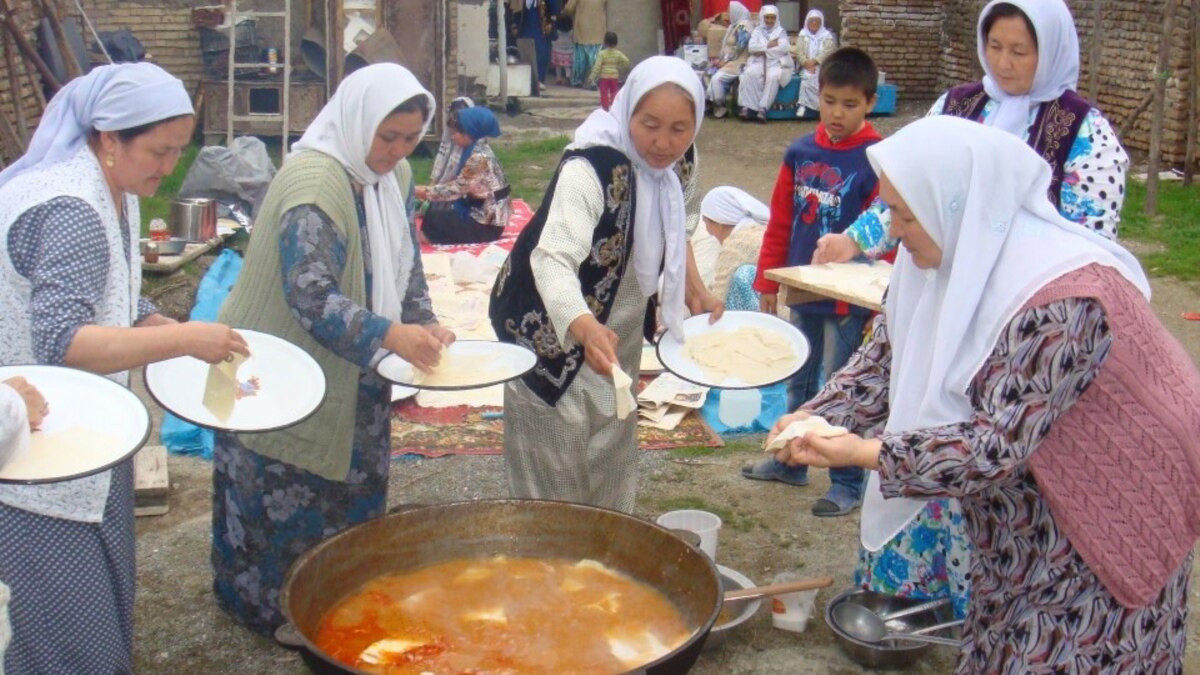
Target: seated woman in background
445 164
813 44
737 220
473 206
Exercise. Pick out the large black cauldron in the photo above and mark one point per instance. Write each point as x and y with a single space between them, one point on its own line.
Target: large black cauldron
405 541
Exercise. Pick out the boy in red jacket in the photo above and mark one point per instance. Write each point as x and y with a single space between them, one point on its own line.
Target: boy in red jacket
824 183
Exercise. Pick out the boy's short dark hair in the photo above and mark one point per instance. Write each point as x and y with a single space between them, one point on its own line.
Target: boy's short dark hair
610 39
850 67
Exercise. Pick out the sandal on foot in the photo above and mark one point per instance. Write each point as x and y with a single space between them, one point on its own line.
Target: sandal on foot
773 469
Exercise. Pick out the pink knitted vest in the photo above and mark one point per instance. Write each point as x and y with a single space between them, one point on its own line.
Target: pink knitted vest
1121 469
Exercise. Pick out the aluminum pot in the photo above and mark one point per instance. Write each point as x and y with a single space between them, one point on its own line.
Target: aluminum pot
426 535
193 219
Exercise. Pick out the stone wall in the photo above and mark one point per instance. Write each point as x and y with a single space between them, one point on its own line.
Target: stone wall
904 37
901 35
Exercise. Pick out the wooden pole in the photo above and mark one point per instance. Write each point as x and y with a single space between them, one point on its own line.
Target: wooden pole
50 11
27 50
1094 51
1161 73
14 89
1189 161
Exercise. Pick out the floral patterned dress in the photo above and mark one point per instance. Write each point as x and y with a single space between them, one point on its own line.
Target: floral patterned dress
266 512
1036 606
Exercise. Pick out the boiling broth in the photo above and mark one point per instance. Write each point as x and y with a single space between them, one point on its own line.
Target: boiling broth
502 616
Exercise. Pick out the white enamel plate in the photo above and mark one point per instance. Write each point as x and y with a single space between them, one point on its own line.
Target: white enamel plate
83 407
490 362
278 386
673 354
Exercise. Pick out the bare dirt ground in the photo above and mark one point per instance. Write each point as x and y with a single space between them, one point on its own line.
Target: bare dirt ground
768 527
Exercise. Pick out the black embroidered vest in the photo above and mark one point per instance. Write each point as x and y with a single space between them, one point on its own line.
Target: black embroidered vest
1053 132
518 313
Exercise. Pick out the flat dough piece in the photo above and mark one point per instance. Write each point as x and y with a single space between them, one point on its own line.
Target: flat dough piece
63 453
220 388
751 354
462 371
622 388
814 424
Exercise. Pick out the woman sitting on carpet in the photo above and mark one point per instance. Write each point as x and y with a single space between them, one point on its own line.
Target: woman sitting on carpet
474 206
334 268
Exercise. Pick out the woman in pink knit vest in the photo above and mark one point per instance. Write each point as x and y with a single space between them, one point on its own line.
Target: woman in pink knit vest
1018 373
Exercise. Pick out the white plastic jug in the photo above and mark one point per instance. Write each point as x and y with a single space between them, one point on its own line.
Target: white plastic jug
739 407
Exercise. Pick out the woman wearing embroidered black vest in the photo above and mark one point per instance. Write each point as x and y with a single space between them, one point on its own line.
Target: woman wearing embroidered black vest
579 288
1030 56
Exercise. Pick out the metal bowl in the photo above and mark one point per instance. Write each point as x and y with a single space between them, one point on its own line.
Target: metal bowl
742 610
887 654
173 246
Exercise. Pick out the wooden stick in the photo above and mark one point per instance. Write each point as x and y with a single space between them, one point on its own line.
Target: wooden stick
780 589
1160 101
70 62
14 90
10 22
1189 161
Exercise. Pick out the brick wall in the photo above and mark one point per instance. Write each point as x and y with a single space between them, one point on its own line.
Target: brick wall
928 45
903 37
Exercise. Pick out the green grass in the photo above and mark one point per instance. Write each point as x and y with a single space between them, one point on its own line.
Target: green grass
1176 228
159 206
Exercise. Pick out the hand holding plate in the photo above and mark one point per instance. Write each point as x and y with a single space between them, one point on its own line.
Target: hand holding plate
415 344
212 342
36 406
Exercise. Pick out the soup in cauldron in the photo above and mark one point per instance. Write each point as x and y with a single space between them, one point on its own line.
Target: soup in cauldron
502 615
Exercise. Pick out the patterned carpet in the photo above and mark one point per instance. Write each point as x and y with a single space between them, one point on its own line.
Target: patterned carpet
462 430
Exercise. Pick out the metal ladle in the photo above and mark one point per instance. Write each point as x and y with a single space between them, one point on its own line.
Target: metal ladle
863 624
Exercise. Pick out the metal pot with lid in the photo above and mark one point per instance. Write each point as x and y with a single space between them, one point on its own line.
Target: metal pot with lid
193 219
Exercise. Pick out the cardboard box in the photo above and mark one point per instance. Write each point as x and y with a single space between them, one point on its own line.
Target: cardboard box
715 35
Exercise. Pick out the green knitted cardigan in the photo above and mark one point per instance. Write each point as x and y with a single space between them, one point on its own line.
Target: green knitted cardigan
321 444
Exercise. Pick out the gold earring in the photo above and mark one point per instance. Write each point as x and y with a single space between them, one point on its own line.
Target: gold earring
110 161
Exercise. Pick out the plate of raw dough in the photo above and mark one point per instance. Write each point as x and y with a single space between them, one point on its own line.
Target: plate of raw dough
278 386
742 350
94 424
465 364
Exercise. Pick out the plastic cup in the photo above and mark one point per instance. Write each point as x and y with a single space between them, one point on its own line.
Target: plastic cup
791 611
703 523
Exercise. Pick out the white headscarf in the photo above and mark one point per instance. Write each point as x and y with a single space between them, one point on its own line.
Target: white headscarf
344 130
814 39
109 98
737 14
660 224
1057 62
981 195
775 32
733 206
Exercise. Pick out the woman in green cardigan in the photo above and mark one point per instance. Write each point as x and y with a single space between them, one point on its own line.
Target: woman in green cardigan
334 268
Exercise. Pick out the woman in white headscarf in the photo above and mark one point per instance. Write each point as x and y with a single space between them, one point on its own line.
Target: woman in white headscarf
768 68
813 44
737 221
70 287
734 52
335 269
579 289
1030 56
1019 369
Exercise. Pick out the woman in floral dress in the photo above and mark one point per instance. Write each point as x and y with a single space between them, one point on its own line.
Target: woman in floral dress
1019 368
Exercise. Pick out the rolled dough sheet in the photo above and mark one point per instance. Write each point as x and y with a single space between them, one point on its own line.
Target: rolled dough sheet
622 384
750 354
63 453
812 425
463 370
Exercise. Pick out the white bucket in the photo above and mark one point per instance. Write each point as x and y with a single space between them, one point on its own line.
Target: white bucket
703 523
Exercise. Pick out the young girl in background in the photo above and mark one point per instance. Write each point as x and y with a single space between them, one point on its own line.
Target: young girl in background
562 52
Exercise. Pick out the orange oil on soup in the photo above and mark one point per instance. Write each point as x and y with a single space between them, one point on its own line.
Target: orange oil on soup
503 616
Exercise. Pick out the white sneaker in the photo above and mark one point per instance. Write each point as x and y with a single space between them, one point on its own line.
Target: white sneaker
720 112
801 111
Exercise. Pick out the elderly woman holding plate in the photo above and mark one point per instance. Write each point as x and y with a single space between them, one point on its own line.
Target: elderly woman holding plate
334 267
70 293
1019 368
579 289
